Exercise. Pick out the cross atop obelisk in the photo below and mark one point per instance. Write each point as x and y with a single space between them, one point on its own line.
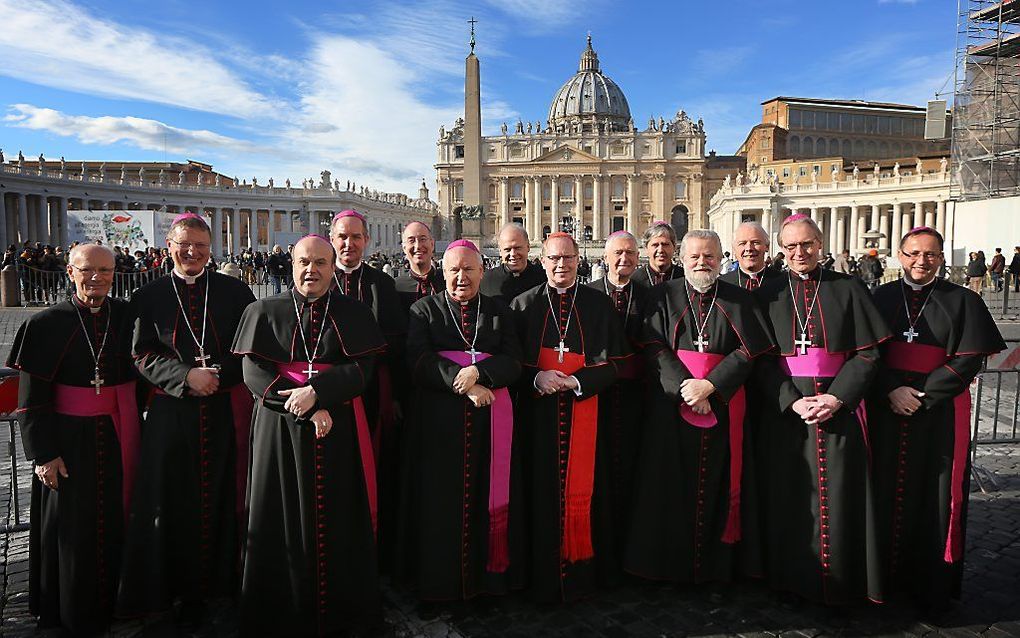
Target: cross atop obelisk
472 22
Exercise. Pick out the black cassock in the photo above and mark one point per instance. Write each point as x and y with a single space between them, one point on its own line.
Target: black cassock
411 287
690 509
818 514
741 279
184 531
378 291
621 406
77 531
571 531
448 517
645 277
310 557
500 283
920 462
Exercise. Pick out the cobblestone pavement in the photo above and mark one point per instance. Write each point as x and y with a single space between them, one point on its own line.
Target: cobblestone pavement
990 605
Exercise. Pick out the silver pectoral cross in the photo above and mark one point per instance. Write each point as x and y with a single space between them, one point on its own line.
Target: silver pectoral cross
701 342
910 334
474 355
310 372
97 382
202 359
561 349
804 343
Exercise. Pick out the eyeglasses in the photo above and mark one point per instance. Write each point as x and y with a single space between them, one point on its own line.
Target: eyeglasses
915 255
564 258
89 272
187 245
805 246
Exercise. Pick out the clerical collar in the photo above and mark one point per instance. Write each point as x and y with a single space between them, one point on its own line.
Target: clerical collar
93 309
422 277
807 275
188 279
462 303
563 291
699 290
918 287
308 300
620 287
754 274
514 273
349 269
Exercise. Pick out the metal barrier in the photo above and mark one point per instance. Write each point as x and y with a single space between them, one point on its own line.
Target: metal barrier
1005 304
995 387
8 404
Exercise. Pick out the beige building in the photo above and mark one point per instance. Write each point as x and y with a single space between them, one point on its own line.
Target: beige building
587 170
797 128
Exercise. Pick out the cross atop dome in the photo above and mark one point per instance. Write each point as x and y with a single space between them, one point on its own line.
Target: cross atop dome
589 59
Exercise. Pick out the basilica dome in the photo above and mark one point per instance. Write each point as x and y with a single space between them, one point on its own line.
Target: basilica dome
589 99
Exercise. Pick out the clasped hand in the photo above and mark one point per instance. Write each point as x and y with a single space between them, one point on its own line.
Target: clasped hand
299 400
905 400
465 379
817 409
203 382
553 381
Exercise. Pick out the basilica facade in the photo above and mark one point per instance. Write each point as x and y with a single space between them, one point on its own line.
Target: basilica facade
587 170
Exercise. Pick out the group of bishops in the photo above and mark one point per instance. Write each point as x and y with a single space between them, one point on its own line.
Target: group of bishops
477 432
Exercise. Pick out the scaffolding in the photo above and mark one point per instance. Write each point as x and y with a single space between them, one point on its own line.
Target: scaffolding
986 109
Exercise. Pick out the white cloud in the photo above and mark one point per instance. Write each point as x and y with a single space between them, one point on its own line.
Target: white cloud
545 15
57 44
142 133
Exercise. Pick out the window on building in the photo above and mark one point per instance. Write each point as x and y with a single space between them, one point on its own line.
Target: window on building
619 189
817 169
808 119
833 167
833 122
858 123
764 141
795 118
566 189
764 159
458 151
492 151
517 190
617 224
516 152
492 192
588 191
458 191
679 189
802 171
786 171
546 191
586 148
845 122
617 149
681 147
646 190
883 125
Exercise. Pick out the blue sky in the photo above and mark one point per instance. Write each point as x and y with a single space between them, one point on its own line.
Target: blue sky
286 89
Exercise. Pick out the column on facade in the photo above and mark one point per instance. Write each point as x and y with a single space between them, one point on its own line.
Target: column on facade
906 219
3 221
534 216
841 224
62 224
873 223
235 231
632 209
834 240
504 201
897 230
271 230
886 239
659 197
217 232
579 207
253 229
816 217
929 218
554 205
950 235
940 217
11 219
918 214
852 239
596 208
51 217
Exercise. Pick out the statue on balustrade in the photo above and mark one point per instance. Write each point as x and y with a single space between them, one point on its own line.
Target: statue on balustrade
740 178
943 164
271 185
216 180
877 171
896 169
857 173
835 174
141 175
726 181
180 178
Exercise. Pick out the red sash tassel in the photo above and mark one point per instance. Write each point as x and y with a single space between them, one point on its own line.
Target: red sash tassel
576 543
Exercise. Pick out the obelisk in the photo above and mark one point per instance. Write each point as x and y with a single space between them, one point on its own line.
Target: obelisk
473 217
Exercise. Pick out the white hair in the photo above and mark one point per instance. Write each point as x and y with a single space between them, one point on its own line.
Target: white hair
80 248
513 226
755 225
622 234
701 234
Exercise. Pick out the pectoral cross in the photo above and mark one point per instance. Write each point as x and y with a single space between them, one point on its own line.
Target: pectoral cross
910 334
97 382
474 355
701 342
310 372
561 349
202 359
804 343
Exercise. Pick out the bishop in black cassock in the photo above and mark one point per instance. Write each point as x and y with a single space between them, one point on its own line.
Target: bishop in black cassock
423 278
184 532
821 530
464 505
79 426
693 468
377 290
515 274
572 340
621 406
660 246
750 247
310 559
919 415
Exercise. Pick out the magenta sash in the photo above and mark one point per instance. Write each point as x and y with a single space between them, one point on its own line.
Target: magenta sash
699 364
117 402
816 363
501 427
924 359
294 371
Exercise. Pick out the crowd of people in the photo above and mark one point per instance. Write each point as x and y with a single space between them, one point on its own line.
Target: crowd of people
475 432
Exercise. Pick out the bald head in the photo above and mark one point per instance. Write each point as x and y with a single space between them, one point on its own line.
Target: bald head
750 246
513 247
90 267
621 257
419 247
313 266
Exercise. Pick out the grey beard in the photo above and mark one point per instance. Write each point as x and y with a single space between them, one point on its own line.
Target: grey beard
702 281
